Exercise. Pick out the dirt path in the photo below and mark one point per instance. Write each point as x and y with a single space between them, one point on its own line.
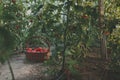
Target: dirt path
22 69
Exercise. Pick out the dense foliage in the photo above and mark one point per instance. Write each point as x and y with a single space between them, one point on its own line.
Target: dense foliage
70 25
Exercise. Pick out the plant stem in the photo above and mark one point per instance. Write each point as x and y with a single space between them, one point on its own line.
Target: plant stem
65 40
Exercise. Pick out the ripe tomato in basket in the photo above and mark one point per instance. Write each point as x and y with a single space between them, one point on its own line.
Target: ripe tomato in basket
29 50
38 49
33 51
41 50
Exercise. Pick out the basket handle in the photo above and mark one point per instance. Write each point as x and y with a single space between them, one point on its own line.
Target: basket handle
43 38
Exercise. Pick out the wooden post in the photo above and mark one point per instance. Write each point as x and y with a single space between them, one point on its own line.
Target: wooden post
102 25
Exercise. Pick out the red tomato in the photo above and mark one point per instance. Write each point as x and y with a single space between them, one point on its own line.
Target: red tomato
29 50
14 1
38 49
33 51
41 50
85 16
17 27
106 32
31 21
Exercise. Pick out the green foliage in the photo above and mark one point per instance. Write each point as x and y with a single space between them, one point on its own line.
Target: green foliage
112 18
7 44
112 10
7 39
70 25
66 30
114 43
12 30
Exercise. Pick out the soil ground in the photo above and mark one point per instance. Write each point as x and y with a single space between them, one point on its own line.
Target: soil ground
23 70
93 69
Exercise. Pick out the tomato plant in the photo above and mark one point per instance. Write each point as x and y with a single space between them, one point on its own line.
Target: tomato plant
70 25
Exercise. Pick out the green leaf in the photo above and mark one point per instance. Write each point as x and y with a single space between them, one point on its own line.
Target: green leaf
7 39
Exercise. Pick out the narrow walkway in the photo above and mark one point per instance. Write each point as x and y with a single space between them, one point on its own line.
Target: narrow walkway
23 70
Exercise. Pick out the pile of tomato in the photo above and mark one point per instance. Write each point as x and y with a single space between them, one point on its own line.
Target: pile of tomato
37 50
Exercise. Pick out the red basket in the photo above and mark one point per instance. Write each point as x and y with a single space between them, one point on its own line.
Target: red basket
37 56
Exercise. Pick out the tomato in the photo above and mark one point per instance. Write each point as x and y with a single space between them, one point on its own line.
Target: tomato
31 21
17 27
28 48
14 1
33 51
38 49
85 16
106 32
